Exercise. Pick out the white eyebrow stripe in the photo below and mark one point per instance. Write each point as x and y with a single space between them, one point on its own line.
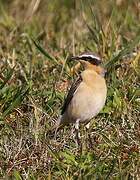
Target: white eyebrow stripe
89 55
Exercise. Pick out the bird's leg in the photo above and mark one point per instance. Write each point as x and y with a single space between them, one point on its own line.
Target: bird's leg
77 134
88 135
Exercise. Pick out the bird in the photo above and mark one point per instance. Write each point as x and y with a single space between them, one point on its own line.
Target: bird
87 95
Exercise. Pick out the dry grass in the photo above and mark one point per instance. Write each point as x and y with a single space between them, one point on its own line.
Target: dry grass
36 40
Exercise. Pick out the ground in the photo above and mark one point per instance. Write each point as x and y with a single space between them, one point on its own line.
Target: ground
36 40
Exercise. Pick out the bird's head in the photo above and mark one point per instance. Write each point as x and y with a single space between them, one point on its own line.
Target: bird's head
90 61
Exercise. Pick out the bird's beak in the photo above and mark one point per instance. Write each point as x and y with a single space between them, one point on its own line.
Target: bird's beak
74 58
71 58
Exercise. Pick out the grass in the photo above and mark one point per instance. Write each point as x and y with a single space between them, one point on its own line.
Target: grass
36 39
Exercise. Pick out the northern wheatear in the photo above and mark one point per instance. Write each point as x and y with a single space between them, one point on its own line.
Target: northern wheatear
87 94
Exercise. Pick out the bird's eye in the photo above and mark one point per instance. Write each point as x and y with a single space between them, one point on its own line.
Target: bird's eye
94 61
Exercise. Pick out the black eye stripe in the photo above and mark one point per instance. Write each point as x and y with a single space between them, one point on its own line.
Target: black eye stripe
89 56
91 60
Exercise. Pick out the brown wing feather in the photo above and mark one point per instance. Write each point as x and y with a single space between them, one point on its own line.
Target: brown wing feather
69 97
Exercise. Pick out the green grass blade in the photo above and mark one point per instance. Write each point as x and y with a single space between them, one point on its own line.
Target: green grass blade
9 75
17 175
17 99
127 50
44 52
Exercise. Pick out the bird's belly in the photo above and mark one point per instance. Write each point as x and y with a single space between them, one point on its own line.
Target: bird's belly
86 106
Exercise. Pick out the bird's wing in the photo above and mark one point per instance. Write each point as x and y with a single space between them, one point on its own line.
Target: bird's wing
71 92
